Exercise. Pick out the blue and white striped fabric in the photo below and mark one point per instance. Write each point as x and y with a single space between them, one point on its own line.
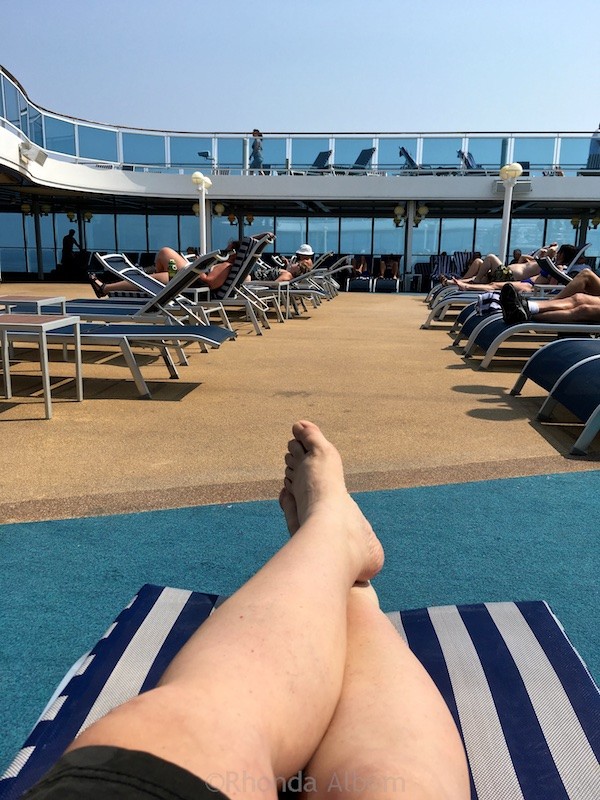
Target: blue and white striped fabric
526 706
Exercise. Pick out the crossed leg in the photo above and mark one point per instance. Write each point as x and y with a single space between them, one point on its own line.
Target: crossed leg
300 666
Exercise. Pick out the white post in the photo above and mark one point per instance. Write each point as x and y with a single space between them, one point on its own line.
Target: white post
203 183
508 175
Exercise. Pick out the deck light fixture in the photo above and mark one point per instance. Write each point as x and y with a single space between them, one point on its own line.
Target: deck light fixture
420 214
26 208
232 219
509 174
249 219
88 216
399 212
71 215
219 208
203 183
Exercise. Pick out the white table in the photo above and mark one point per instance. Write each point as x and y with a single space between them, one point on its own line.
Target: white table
40 324
9 300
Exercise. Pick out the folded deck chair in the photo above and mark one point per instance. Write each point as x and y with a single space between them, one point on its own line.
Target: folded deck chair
470 166
126 337
569 370
524 702
361 164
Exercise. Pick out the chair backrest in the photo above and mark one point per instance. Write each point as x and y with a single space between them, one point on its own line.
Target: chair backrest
593 161
321 160
184 278
250 249
468 160
364 158
120 265
410 162
441 265
461 259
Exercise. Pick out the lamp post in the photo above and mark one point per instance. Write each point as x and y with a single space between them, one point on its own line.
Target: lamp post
203 183
509 175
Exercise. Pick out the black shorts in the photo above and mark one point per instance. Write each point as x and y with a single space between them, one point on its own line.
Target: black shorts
114 773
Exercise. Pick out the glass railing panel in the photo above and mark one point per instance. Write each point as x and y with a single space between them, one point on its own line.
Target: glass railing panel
425 240
131 232
11 97
12 259
387 238
537 151
526 235
143 148
230 154
274 154
306 151
291 233
490 152
457 235
441 151
11 230
573 154
388 152
162 231
487 235
356 235
2 114
323 234
60 135
185 152
97 143
346 151
36 132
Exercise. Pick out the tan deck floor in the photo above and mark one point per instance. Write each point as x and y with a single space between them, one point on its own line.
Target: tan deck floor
401 405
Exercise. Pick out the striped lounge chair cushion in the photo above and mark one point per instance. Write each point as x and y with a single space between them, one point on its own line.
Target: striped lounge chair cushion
525 704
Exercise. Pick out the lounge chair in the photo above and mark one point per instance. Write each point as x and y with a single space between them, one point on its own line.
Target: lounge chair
470 166
569 370
410 165
360 166
126 337
320 165
524 702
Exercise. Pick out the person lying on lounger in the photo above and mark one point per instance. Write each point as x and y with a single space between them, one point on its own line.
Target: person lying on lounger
579 301
298 670
213 279
526 275
302 264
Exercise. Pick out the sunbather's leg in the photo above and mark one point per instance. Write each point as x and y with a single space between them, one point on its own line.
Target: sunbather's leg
392 735
252 693
473 269
578 308
585 282
490 262
166 254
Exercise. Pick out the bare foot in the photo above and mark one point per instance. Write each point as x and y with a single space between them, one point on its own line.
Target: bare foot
314 487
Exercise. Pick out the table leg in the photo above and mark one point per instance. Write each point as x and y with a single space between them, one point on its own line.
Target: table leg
78 367
45 373
5 363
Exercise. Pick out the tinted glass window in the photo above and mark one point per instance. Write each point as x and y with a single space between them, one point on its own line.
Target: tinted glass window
141 148
1 101
526 235
356 235
100 233
12 103
561 231
323 234
60 136
441 152
260 225
387 238
306 151
425 239
131 232
222 232
388 152
185 149
457 234
97 143
36 133
12 254
537 150
189 231
489 152
291 233
162 232
487 235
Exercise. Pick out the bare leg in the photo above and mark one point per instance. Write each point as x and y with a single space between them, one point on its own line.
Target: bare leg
490 262
166 254
578 308
255 688
585 282
392 732
473 269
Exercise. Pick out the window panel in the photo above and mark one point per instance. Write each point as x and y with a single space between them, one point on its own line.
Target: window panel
387 238
131 232
162 232
223 232
561 231
487 235
457 234
100 233
323 234
189 232
36 134
97 143
11 97
425 239
356 235
142 148
291 233
60 135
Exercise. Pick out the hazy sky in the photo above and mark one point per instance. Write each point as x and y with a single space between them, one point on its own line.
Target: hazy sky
310 65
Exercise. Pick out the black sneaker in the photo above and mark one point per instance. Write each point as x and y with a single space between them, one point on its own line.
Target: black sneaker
514 307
